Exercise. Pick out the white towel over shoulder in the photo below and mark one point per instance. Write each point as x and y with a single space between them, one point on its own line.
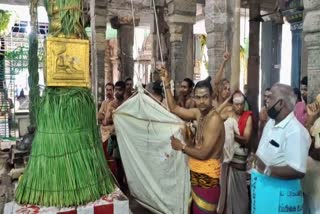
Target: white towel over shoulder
231 127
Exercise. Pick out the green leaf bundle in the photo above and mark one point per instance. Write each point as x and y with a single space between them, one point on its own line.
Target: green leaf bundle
66 18
67 166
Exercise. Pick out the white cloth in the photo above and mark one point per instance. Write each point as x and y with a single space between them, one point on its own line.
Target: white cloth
286 143
231 127
315 132
115 201
157 175
311 187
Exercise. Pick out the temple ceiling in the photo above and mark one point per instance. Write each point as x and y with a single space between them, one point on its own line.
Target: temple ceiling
268 5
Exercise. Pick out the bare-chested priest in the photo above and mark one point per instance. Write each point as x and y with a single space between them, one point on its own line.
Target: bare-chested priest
205 152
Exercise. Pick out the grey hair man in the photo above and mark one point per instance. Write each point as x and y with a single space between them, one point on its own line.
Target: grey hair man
281 157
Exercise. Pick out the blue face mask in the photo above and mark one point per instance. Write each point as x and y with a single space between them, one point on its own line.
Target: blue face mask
272 112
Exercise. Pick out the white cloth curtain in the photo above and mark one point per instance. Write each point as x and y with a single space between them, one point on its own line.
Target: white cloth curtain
157 175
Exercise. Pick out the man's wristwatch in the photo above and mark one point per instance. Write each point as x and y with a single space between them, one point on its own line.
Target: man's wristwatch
267 171
167 86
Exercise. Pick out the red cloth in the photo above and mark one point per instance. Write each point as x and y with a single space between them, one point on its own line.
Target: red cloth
108 208
243 121
205 200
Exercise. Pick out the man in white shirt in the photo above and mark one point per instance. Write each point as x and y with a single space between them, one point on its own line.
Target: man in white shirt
281 158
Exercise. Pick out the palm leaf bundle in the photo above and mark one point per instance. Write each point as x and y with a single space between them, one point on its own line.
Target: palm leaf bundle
67 165
66 18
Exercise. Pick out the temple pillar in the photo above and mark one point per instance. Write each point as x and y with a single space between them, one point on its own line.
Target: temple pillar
98 30
296 30
271 39
125 34
293 11
311 30
216 27
182 16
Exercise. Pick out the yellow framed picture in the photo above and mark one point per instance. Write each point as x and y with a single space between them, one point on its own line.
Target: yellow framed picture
67 62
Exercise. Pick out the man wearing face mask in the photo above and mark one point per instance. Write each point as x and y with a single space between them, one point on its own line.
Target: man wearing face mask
281 158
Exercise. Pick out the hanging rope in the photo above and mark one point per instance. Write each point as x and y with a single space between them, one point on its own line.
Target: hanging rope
135 41
160 49
245 25
158 40
162 64
157 28
225 28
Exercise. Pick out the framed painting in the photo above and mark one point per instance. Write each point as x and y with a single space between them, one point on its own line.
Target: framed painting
67 62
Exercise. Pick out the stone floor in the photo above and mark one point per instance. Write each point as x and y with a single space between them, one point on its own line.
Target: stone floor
6 191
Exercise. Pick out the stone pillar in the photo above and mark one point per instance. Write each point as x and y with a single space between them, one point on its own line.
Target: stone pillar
181 18
125 28
235 50
98 29
254 56
254 66
114 60
311 30
108 63
126 40
164 36
222 19
296 29
216 27
181 51
271 36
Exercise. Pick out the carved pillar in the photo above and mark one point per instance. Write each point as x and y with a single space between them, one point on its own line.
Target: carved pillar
114 60
217 29
222 19
311 30
164 35
296 30
181 18
125 38
108 63
235 48
98 28
125 28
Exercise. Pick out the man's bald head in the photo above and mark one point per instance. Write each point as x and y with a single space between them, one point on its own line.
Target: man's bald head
284 92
